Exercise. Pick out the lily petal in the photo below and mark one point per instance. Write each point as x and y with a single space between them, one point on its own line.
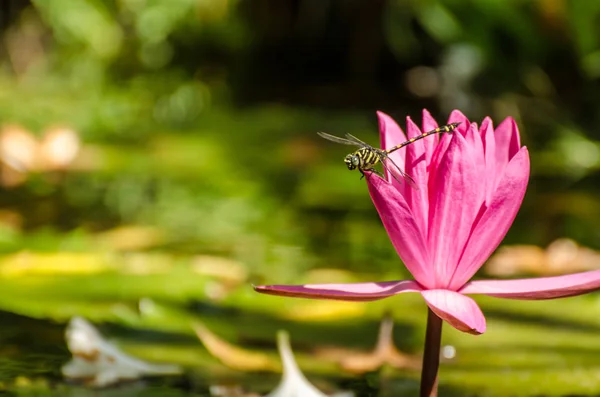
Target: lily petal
489 145
458 310
455 117
429 124
402 228
391 134
537 288
455 196
415 153
344 292
495 221
475 142
416 167
458 117
507 142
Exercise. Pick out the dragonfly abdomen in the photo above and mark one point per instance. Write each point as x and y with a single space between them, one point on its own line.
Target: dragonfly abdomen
443 129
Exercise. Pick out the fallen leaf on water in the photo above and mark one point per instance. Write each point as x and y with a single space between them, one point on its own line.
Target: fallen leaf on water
18 152
38 384
229 391
26 263
233 356
324 310
146 263
58 148
131 238
562 256
229 271
328 275
226 274
99 363
18 148
385 353
22 153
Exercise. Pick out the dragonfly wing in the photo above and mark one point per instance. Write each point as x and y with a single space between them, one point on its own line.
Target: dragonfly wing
396 172
337 139
353 138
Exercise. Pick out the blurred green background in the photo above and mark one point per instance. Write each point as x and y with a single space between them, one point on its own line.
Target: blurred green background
167 150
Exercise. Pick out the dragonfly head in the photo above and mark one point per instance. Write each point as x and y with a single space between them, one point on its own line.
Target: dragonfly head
352 161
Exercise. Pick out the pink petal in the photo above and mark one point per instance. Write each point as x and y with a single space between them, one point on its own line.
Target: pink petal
430 144
390 134
455 196
474 141
486 124
489 143
344 292
455 117
415 153
473 138
402 228
507 142
416 167
537 288
458 310
496 220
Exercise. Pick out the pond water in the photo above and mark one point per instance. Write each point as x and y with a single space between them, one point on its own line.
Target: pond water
33 352
527 351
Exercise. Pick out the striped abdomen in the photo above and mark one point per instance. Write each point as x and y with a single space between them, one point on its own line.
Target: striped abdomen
445 128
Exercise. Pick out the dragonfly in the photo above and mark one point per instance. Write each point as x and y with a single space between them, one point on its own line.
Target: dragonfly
367 156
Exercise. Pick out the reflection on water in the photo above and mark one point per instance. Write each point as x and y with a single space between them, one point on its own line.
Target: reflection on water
33 352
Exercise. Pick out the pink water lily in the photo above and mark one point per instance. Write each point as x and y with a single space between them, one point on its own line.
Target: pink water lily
470 185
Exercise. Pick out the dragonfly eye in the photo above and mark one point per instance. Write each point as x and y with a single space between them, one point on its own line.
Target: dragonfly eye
355 161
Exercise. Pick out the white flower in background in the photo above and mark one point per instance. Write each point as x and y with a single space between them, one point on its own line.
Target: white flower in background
100 363
293 382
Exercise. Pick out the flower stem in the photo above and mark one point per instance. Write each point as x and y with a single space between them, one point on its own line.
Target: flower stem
431 356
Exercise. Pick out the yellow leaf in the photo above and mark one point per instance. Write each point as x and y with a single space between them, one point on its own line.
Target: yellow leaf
233 356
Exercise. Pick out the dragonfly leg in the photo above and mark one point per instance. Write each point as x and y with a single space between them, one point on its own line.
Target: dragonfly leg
379 174
394 169
373 170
